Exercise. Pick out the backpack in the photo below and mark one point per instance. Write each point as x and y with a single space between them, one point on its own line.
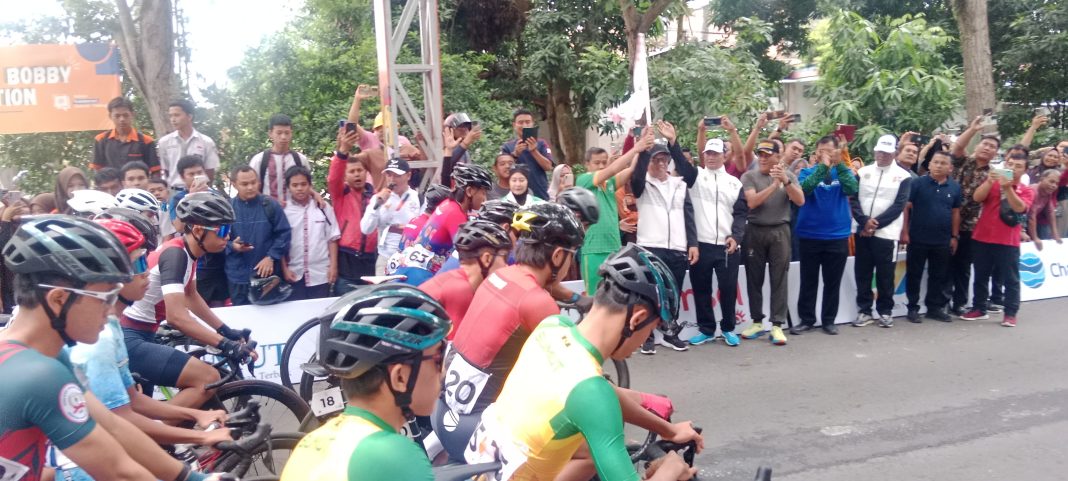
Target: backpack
265 159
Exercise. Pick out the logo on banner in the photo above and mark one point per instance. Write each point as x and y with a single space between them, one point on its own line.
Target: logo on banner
1032 273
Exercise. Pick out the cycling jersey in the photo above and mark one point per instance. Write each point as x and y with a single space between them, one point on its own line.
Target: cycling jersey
356 446
453 291
564 400
104 367
171 268
434 243
412 230
40 401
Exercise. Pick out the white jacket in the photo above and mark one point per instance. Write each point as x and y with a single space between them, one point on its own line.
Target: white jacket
661 218
714 196
883 193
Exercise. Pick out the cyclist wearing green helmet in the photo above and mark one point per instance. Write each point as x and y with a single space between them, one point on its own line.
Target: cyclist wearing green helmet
637 292
385 343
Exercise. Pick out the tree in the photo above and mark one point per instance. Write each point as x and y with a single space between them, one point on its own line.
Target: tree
888 83
639 21
975 48
147 47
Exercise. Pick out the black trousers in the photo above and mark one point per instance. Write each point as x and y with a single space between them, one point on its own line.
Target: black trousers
302 291
960 271
874 255
713 259
936 260
1006 259
676 261
828 256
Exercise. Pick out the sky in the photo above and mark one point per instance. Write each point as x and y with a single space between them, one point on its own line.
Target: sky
219 31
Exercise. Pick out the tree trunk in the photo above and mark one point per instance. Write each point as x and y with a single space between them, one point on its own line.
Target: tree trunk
569 135
974 27
639 22
147 48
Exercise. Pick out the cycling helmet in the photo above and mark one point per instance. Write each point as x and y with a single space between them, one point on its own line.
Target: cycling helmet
379 325
470 175
264 291
498 211
646 278
479 233
207 209
435 195
148 229
79 250
87 203
548 223
582 202
139 200
128 235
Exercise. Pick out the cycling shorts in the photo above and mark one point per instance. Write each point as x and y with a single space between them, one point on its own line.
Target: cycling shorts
157 364
454 430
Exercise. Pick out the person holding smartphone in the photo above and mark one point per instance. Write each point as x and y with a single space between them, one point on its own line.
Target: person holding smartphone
530 151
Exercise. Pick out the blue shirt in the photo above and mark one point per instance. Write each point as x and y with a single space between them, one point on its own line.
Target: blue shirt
825 215
262 223
931 217
537 181
104 367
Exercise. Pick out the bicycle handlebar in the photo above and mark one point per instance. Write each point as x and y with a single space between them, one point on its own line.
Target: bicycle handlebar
234 371
248 443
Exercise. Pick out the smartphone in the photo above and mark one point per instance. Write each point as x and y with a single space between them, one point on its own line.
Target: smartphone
847 130
636 132
12 196
369 90
350 127
1043 111
1007 173
990 119
714 121
776 114
921 140
200 181
474 124
529 132
795 118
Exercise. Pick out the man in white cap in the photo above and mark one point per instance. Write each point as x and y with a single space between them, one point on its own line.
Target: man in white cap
877 207
390 210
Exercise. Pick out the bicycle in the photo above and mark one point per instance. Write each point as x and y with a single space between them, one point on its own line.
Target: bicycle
256 448
303 352
622 371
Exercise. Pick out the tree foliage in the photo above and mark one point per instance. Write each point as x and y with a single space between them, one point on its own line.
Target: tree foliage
890 83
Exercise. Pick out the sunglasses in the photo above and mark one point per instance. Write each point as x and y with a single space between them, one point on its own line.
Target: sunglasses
140 265
108 297
222 231
438 358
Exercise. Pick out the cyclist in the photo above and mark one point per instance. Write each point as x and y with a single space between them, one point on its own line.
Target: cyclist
88 203
423 258
172 296
102 368
435 194
585 207
505 310
557 384
483 248
140 200
385 343
498 211
68 272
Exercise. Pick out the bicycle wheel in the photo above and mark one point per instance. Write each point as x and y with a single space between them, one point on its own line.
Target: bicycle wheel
621 375
279 406
296 353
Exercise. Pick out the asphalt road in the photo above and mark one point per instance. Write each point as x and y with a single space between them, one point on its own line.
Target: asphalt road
935 401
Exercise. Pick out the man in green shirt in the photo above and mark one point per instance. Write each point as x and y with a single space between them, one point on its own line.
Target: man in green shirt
601 178
385 343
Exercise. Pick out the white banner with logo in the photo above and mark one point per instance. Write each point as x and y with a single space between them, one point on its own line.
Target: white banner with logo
1043 275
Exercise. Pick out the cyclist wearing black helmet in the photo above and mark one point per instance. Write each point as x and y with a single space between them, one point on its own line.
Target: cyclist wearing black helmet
636 293
424 258
68 273
505 310
499 212
385 343
435 194
172 295
483 248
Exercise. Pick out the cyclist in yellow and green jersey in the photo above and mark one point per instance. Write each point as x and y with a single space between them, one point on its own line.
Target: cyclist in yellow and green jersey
555 397
385 344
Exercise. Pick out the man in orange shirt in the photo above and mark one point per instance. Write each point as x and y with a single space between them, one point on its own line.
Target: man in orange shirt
123 144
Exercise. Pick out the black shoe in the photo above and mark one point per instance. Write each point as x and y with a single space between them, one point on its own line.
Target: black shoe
801 329
958 311
830 329
914 316
649 347
938 315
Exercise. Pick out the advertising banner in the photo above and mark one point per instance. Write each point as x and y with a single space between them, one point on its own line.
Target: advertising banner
57 88
1043 273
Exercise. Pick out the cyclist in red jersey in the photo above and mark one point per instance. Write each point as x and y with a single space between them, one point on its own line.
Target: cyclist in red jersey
506 308
172 295
483 248
435 194
68 273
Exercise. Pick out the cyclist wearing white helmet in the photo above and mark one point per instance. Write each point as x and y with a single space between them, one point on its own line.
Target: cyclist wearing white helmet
90 203
140 200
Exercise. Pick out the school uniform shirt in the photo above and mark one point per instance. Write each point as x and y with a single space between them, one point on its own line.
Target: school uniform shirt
309 247
172 147
274 181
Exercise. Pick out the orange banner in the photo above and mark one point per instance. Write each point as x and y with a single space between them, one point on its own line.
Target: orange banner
57 88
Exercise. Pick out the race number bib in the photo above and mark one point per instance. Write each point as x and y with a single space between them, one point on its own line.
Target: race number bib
463 385
12 471
418 256
328 401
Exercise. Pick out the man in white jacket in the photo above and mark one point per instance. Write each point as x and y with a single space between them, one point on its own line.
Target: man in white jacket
391 209
720 212
666 223
877 207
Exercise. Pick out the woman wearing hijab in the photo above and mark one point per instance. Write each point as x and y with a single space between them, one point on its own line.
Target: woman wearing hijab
1051 160
563 178
69 180
43 203
519 191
